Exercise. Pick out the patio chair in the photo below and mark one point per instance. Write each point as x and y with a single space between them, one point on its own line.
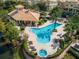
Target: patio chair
59 34
52 45
33 48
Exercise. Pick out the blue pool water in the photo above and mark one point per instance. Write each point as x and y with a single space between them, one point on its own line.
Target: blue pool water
43 34
42 53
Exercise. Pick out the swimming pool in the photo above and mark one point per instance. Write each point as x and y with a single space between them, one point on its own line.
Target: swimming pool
42 53
43 34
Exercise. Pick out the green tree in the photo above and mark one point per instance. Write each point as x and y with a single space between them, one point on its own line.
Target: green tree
42 6
56 12
2 30
11 32
2 26
72 25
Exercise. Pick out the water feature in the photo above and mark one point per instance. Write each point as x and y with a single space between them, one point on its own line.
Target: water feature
43 34
42 53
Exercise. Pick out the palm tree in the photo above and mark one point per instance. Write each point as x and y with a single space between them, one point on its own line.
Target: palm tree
9 31
56 13
42 6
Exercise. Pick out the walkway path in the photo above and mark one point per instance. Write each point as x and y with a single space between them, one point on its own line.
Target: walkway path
61 56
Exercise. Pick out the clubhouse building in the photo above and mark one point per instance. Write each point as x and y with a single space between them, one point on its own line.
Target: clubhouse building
25 16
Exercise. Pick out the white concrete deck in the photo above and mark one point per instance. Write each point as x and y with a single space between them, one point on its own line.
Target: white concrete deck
50 50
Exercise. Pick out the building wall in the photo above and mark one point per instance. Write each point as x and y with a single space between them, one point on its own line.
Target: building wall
54 3
70 6
51 3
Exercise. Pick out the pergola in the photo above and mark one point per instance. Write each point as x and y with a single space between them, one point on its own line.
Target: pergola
28 17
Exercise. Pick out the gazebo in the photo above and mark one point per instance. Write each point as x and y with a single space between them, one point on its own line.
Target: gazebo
25 16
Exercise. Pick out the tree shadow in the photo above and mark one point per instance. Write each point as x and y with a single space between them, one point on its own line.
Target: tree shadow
5 48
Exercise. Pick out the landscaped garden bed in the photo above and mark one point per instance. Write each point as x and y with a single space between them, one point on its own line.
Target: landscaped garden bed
26 49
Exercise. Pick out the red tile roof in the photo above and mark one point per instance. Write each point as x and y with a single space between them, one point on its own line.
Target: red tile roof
24 15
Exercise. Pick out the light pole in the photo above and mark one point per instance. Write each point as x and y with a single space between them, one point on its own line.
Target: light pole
55 23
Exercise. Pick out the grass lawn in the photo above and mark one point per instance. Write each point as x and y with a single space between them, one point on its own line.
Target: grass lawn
69 56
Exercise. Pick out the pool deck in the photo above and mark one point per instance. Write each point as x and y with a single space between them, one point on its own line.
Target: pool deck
50 50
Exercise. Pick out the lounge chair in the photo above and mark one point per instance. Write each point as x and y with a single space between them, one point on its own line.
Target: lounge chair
30 42
33 48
